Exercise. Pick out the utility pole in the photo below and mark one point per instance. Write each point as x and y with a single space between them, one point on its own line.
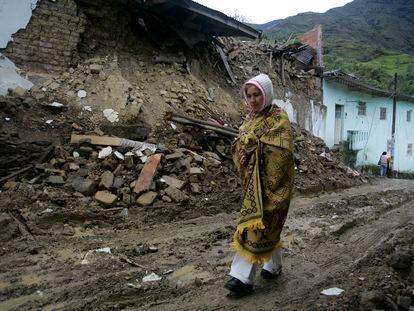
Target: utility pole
394 108
394 105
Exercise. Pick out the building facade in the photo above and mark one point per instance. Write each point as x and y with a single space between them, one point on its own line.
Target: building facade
362 116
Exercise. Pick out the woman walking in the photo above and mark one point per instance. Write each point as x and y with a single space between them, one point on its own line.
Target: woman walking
263 155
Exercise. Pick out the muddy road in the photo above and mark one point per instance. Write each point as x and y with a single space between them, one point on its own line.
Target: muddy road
359 240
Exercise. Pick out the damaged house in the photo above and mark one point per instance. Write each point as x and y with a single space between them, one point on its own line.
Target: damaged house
126 64
67 34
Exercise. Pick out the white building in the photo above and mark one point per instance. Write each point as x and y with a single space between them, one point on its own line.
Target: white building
362 115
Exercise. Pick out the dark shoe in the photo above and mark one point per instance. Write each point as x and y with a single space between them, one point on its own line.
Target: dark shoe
270 276
236 286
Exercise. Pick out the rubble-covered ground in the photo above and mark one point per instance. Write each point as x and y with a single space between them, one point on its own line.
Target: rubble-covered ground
75 236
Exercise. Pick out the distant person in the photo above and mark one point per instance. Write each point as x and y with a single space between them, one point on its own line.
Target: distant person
263 155
384 163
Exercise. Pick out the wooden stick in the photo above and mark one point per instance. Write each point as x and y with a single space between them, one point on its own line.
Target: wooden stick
207 127
29 167
226 63
124 258
228 129
22 227
21 171
96 140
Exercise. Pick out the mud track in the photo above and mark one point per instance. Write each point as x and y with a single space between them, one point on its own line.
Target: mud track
340 239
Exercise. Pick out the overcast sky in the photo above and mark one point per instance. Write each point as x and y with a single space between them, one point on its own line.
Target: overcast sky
263 11
14 14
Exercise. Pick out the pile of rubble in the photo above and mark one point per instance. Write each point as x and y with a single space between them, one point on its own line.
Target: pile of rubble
129 97
318 168
175 164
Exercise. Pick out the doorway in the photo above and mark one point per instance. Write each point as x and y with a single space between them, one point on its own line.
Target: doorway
339 121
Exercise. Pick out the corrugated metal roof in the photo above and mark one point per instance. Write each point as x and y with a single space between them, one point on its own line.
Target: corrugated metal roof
305 56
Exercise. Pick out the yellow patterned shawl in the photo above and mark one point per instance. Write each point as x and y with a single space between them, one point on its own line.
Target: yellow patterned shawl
263 155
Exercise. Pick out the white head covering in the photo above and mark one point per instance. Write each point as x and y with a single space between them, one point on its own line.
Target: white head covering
264 84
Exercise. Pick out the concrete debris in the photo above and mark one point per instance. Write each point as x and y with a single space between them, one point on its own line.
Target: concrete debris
176 195
107 179
55 180
106 198
96 69
56 105
146 198
171 181
196 171
105 152
151 278
111 115
74 166
94 255
81 93
84 185
334 291
119 155
19 91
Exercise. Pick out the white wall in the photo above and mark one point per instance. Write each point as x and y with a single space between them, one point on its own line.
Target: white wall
404 136
318 119
378 131
315 121
14 15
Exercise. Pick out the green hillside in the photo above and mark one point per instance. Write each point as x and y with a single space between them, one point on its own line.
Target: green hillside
369 38
372 64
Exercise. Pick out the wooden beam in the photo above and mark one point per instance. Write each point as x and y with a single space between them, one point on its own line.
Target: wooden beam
215 128
95 140
226 63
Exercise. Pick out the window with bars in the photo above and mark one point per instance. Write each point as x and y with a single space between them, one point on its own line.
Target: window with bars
383 113
409 149
362 108
409 115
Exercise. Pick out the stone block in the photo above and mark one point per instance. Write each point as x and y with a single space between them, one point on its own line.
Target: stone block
196 171
107 179
105 198
176 195
174 182
55 180
147 198
83 185
95 68
19 91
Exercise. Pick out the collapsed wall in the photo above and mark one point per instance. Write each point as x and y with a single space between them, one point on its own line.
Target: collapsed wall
50 39
60 33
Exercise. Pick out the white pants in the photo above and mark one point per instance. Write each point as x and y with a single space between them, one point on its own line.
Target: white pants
245 271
